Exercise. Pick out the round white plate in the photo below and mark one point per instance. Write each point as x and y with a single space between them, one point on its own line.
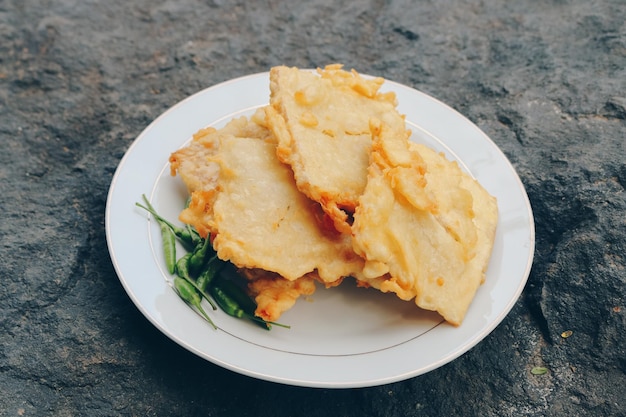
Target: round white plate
339 338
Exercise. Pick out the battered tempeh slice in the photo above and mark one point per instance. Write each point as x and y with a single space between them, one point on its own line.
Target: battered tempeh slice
193 164
425 228
274 295
192 161
262 221
321 121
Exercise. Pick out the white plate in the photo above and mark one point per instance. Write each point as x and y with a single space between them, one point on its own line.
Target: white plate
339 338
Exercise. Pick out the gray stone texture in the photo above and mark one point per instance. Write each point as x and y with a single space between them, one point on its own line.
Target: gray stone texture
79 80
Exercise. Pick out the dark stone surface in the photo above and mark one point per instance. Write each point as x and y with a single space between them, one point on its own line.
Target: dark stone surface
80 80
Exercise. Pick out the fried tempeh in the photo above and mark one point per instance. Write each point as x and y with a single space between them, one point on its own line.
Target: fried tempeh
321 122
261 220
425 228
324 183
193 163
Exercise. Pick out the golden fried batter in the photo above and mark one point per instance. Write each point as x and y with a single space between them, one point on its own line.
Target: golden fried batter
321 122
275 295
424 227
261 220
200 174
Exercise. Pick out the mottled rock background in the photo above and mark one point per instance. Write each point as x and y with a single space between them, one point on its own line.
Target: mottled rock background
79 80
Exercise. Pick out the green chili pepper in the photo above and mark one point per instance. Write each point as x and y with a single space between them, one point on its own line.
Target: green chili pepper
182 267
188 293
182 270
236 293
235 302
226 303
227 280
188 236
208 274
195 238
169 247
200 256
